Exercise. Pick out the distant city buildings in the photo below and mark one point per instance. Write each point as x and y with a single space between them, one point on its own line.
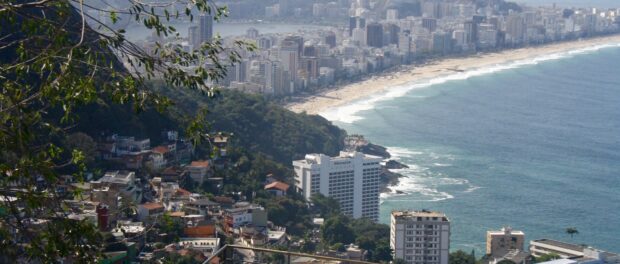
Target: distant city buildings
420 237
366 38
352 178
203 32
206 28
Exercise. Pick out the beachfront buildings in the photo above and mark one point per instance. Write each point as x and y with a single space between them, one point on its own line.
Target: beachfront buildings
420 237
500 242
365 39
352 178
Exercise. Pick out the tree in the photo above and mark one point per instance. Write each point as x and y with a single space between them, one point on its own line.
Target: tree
572 231
338 247
461 257
506 261
52 67
83 143
325 206
547 257
382 252
336 230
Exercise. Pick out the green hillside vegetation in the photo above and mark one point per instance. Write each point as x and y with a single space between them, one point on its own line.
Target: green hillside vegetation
260 125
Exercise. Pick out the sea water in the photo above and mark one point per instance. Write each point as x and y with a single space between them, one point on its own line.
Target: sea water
531 144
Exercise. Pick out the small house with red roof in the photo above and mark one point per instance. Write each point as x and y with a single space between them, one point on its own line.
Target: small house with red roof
277 188
199 170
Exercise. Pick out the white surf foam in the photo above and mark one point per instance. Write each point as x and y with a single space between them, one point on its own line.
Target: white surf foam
420 183
349 113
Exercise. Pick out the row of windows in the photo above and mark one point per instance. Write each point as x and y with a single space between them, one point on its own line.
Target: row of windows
340 173
411 232
374 180
421 245
423 226
421 258
423 239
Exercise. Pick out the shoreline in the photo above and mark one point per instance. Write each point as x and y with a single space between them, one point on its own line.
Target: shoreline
383 82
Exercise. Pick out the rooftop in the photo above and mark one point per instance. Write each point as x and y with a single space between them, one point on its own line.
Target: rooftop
560 244
160 149
224 199
277 185
344 156
181 191
120 177
242 209
220 139
505 230
423 213
205 202
560 261
151 206
177 214
200 163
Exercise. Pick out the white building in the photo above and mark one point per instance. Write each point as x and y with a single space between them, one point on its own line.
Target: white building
568 253
548 246
500 242
352 178
420 237
207 245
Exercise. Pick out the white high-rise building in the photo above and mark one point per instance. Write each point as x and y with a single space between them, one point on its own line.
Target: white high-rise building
352 178
420 237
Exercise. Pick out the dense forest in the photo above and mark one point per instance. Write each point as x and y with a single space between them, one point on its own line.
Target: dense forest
259 125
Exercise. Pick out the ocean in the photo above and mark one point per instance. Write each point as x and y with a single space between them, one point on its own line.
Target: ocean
532 144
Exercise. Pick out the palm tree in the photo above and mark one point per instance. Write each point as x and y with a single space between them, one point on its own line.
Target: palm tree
572 231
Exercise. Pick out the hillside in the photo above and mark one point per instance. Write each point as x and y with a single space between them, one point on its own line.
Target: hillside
262 126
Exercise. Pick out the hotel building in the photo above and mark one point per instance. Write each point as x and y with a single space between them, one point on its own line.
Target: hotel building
352 178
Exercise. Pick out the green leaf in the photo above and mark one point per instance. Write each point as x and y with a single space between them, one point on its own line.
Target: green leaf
113 17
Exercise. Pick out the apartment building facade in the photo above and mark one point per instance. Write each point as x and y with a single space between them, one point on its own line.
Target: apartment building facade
352 178
420 237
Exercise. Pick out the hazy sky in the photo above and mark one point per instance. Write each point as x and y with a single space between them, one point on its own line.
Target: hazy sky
573 3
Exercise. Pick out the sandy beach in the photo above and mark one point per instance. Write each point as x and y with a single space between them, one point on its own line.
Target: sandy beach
319 103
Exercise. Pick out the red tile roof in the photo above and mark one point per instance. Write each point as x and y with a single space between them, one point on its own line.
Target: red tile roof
184 192
200 163
160 149
277 185
177 214
223 199
151 206
169 171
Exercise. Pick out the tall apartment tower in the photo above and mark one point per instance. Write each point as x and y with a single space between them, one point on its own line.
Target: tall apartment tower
420 237
374 35
356 22
194 37
205 28
352 178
